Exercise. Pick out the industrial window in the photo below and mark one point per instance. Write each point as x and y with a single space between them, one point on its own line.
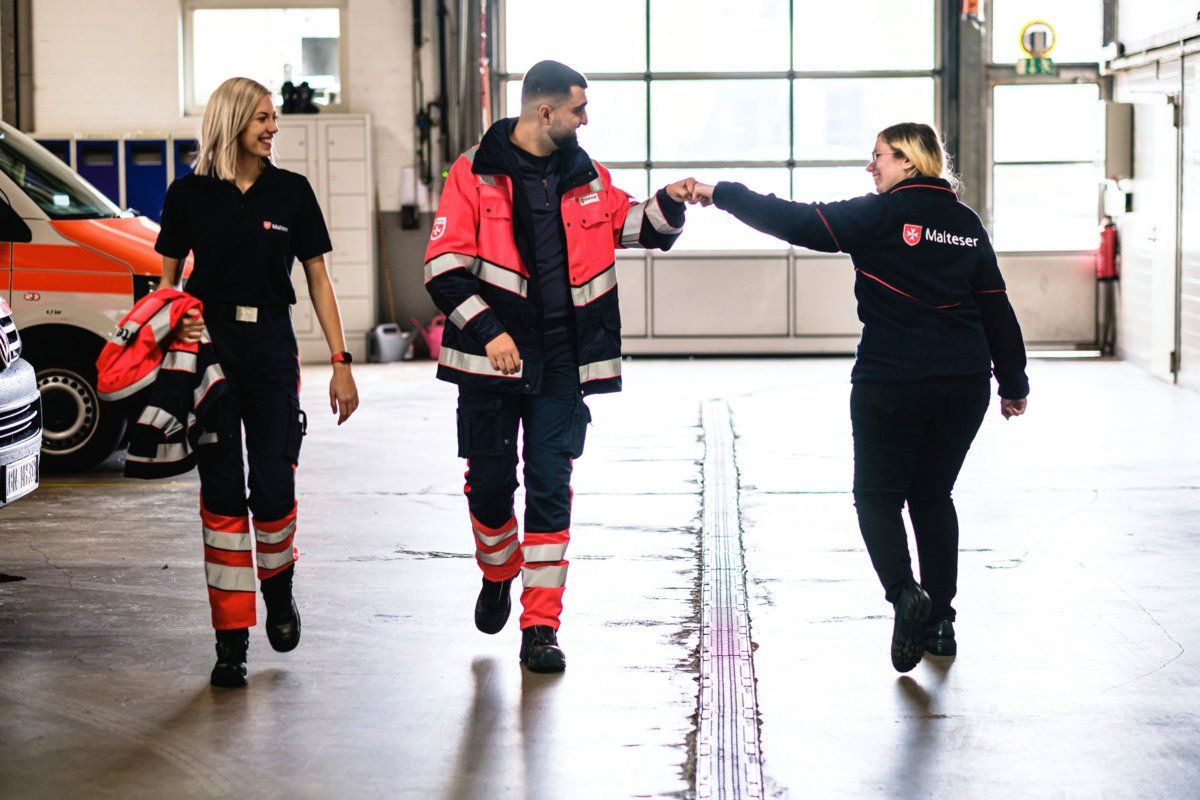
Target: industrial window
1047 152
771 93
271 42
1047 142
1076 25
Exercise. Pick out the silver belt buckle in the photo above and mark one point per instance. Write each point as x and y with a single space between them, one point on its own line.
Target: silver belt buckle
245 313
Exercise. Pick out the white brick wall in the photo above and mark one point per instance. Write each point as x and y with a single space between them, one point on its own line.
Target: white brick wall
115 67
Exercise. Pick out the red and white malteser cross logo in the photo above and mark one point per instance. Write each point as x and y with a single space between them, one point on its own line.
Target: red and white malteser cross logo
266 224
439 228
912 235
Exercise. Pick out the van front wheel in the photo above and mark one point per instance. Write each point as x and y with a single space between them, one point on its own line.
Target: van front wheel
79 429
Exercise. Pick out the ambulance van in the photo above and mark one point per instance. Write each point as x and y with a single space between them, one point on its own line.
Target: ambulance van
87 263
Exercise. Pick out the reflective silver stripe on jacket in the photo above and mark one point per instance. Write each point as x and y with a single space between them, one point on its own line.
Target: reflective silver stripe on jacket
227 541
180 361
274 560
632 228
162 420
231 579
492 541
544 552
160 323
166 454
489 180
655 215
133 388
445 263
543 577
478 365
600 370
499 276
500 557
600 285
467 310
212 376
596 185
278 536
470 154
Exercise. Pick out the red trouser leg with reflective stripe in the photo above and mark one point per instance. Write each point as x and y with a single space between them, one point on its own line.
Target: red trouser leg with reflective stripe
275 547
229 570
496 549
544 578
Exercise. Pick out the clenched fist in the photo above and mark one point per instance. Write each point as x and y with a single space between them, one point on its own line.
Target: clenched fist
503 355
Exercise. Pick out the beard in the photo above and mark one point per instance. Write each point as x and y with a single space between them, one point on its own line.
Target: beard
564 139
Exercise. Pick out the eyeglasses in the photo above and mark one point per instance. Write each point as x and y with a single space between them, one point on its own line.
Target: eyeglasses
875 156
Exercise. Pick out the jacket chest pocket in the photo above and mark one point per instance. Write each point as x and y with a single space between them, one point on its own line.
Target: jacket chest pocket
590 241
495 225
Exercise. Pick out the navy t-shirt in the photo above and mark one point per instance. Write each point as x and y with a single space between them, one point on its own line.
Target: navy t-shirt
244 245
539 182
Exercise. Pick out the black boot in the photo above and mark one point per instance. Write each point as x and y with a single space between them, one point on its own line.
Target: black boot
540 651
939 638
230 669
493 606
908 633
283 617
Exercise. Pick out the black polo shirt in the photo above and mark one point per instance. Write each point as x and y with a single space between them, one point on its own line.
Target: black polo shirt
244 244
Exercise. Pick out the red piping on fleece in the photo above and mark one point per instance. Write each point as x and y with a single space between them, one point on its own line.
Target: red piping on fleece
836 243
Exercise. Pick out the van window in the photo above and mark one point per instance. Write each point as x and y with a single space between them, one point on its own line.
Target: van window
48 182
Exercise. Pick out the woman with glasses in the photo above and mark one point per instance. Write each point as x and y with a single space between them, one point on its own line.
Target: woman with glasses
246 222
936 325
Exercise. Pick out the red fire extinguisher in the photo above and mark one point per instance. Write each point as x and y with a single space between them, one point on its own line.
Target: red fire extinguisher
1107 252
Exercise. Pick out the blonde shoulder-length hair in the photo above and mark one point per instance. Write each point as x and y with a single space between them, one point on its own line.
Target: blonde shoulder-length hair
922 145
227 114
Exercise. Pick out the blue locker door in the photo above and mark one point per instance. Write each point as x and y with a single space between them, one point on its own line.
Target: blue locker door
185 156
146 175
96 161
61 148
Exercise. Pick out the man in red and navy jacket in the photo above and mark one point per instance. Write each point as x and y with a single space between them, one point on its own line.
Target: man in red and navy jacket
521 259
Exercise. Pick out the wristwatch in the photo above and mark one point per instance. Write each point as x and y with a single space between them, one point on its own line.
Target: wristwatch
341 358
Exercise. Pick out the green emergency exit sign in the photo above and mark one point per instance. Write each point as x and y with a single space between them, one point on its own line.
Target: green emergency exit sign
1036 66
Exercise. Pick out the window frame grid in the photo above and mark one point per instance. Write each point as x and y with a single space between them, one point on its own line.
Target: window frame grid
647 77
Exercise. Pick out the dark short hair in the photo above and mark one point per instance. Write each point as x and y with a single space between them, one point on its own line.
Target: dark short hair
550 80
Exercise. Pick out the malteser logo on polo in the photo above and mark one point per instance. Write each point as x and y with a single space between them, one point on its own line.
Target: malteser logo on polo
271 226
439 228
912 237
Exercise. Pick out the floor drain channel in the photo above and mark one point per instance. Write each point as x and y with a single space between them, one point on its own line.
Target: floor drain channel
728 763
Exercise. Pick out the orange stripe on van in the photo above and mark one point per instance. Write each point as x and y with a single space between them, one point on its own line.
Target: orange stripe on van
64 257
78 282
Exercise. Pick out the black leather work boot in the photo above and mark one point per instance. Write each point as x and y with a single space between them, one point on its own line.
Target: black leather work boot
230 669
283 617
493 606
908 633
939 639
540 651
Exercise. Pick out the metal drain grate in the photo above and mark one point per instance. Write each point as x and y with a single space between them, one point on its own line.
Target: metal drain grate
728 762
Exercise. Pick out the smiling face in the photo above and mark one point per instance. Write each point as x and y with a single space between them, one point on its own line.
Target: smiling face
257 138
562 121
887 166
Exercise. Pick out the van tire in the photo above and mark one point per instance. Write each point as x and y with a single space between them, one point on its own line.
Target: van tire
79 429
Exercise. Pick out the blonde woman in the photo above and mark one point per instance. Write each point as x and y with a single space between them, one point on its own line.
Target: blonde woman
937 325
245 221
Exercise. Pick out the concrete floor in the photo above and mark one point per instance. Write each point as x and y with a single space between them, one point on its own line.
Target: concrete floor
1077 673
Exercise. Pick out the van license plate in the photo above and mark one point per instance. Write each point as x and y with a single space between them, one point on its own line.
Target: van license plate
21 477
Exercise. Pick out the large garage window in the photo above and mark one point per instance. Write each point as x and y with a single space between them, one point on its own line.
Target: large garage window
271 42
772 93
1048 150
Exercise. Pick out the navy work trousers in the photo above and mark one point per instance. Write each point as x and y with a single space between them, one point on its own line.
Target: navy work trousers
910 441
553 424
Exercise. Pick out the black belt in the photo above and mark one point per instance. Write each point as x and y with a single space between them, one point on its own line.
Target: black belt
227 312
